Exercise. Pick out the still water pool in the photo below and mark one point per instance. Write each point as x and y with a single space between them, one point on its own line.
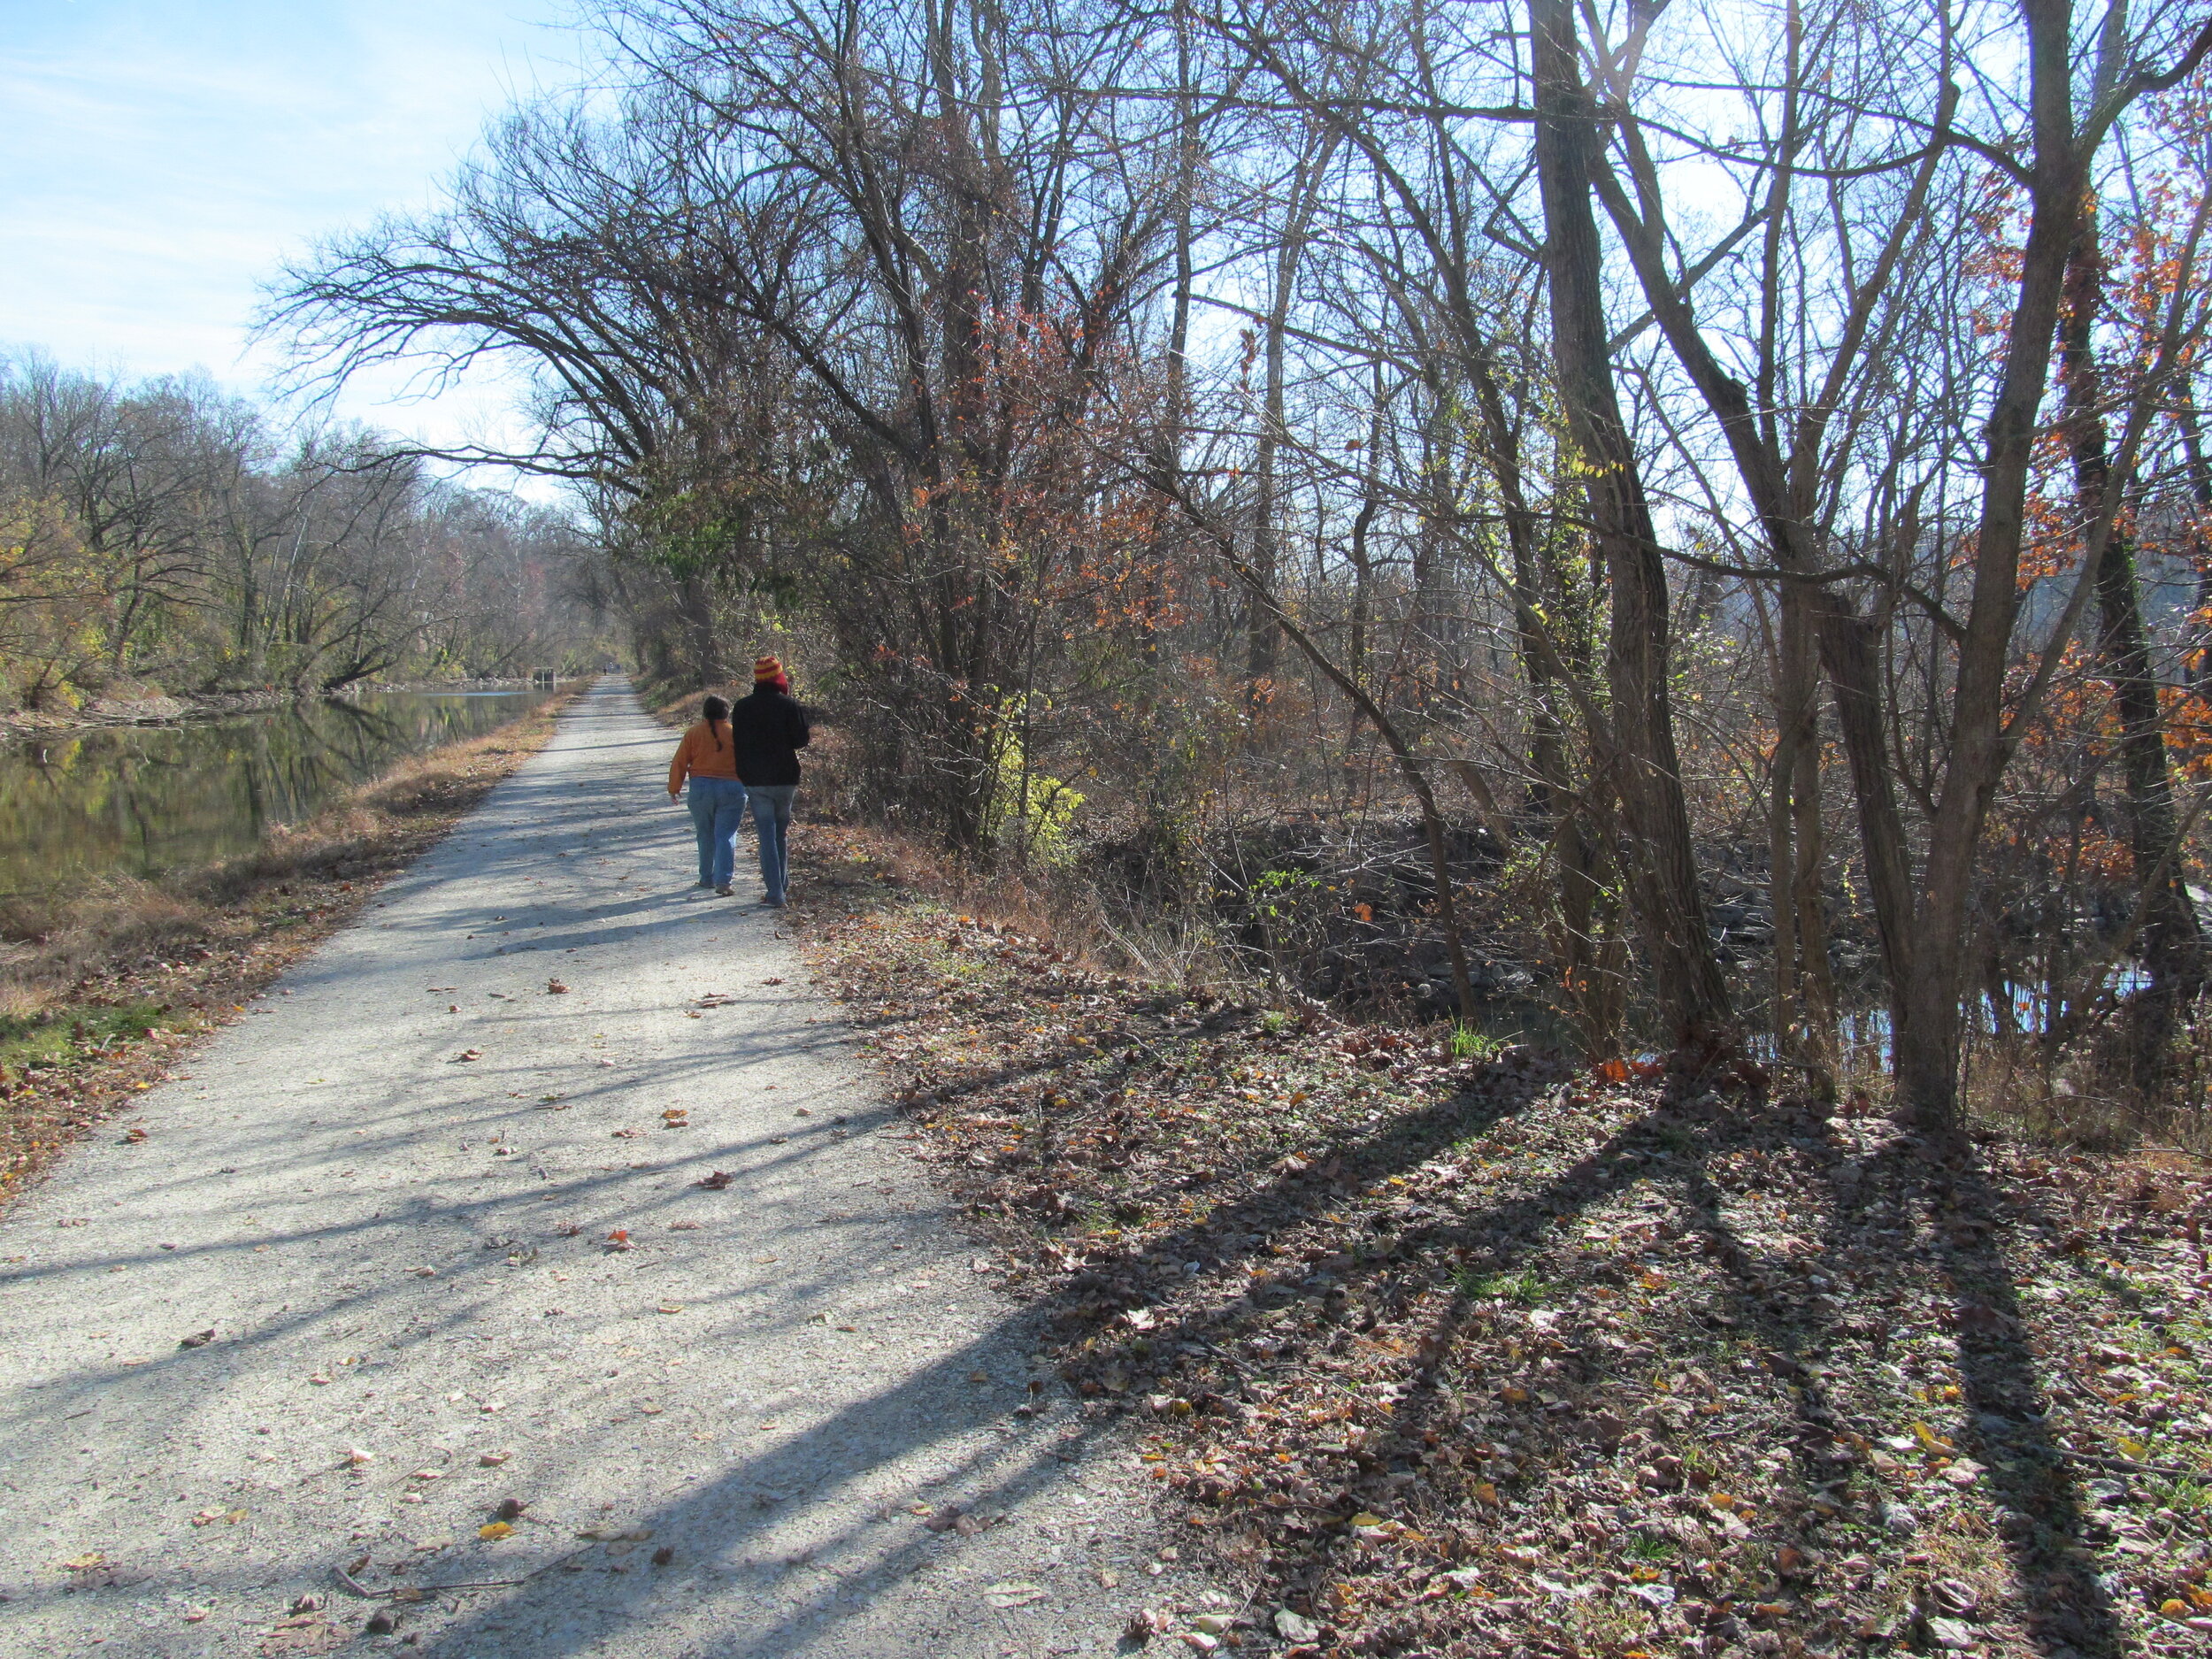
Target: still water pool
142 800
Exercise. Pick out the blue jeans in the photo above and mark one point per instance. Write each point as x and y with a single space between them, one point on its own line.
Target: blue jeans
717 808
771 822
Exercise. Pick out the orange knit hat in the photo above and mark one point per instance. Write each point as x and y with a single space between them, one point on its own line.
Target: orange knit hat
766 668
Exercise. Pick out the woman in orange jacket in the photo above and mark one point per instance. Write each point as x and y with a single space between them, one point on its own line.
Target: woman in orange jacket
708 757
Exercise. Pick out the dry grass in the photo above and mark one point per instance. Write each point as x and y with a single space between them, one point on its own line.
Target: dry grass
105 985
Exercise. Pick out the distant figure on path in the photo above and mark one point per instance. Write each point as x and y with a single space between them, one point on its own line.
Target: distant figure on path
708 756
770 730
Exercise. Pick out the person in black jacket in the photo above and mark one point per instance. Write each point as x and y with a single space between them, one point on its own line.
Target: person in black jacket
767 730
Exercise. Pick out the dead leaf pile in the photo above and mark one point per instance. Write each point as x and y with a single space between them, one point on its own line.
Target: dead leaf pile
1447 1356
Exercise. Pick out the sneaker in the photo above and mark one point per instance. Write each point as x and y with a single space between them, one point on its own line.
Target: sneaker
721 893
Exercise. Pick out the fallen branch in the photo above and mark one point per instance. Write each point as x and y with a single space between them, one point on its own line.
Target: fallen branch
412 1591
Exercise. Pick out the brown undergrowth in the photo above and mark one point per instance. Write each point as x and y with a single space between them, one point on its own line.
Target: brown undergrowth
105 988
1497 1354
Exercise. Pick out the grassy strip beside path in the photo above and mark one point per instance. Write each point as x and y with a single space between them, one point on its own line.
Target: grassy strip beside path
1500 1356
105 989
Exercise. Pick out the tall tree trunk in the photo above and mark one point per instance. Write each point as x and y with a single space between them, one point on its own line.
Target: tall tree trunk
2172 941
1645 770
1537 590
1929 1035
960 459
1264 639
694 602
1804 989
2198 465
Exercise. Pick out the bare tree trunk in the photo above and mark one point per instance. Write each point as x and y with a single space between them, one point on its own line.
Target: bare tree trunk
1592 983
1932 1004
1646 772
2172 941
1264 635
2199 466
1804 991
1185 184
695 602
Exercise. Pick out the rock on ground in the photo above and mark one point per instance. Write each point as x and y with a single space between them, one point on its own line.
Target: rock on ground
447 1229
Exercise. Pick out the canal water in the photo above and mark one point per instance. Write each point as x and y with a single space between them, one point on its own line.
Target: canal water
143 800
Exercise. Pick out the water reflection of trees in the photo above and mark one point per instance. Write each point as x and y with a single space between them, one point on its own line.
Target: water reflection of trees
143 800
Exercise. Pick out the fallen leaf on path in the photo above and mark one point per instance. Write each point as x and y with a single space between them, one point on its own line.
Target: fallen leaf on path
717 1181
652 1410
677 1117
198 1339
492 1460
671 1307
319 1381
354 1457
90 1561
308 1633
426 1272
554 987
776 981
468 1054
1014 1593
427 1474
617 1534
509 1509
493 1530
133 1135
619 1240
683 1226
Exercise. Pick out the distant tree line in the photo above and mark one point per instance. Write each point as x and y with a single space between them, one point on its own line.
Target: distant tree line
1762 433
162 535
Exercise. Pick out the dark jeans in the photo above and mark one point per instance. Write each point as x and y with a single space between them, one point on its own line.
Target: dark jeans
717 808
771 822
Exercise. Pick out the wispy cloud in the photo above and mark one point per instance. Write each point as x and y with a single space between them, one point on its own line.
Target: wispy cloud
161 157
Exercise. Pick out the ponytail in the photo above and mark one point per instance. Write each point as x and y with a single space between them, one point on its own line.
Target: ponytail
715 711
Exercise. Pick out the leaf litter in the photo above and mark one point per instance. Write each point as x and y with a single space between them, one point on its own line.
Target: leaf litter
1444 1356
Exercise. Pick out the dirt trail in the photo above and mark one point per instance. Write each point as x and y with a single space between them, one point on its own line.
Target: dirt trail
402 1256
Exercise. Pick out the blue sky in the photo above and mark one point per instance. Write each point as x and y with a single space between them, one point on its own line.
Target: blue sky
159 158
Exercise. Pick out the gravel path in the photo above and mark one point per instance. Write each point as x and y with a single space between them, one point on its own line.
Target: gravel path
730 1438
